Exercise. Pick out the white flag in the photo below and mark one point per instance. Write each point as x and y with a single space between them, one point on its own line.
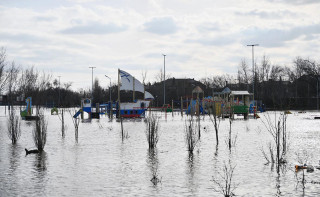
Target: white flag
127 82
148 95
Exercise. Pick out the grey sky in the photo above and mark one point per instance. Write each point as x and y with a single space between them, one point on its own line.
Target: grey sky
201 38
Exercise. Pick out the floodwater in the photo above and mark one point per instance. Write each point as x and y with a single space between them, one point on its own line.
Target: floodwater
100 163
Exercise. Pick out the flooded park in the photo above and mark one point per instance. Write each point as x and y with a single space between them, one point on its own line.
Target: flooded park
102 162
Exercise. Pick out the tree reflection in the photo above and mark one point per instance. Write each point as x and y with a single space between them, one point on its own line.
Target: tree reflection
15 151
153 164
40 162
191 171
40 172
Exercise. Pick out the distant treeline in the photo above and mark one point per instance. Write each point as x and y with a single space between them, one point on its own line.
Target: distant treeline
279 87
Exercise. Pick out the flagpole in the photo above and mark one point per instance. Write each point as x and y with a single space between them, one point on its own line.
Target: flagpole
119 91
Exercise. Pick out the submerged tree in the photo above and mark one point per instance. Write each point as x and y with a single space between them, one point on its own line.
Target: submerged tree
40 131
278 131
152 130
61 117
191 134
224 182
216 121
14 131
3 65
76 122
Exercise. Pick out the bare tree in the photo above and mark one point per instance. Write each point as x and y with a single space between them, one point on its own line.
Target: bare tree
28 81
278 130
264 69
243 72
191 134
13 71
276 72
14 130
40 131
216 122
67 85
3 64
152 131
61 117
76 122
224 182
219 81
159 76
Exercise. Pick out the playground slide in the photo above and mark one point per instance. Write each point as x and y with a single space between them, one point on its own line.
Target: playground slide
77 114
193 107
27 111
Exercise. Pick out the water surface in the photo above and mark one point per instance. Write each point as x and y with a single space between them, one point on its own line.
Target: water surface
100 163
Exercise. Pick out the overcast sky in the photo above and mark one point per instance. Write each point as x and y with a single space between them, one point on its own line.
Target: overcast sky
201 38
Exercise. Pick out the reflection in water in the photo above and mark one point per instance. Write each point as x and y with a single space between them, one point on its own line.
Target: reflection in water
40 163
39 172
15 151
301 180
278 185
216 152
104 165
153 164
191 169
14 164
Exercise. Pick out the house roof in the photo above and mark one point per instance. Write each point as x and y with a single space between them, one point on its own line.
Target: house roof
226 90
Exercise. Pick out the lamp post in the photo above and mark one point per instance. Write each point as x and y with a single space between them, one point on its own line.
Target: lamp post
253 73
92 84
164 79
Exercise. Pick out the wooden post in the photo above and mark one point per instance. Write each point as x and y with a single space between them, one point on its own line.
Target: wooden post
119 114
181 107
172 108
188 105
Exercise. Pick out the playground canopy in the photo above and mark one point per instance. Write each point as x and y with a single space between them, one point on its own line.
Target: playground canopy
237 93
197 90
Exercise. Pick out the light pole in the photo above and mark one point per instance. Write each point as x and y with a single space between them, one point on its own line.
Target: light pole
164 79
109 87
253 73
92 84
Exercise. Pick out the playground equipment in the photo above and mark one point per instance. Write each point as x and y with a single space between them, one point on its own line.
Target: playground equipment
27 113
54 111
85 107
195 107
239 103
135 109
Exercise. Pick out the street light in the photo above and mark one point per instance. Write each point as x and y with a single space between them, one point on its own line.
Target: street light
109 87
164 79
92 83
253 73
